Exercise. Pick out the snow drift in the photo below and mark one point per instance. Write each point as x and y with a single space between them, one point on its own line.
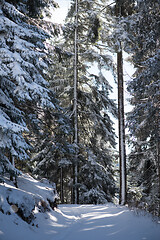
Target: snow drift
26 213
30 196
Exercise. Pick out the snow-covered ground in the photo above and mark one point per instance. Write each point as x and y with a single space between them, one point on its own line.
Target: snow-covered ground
74 222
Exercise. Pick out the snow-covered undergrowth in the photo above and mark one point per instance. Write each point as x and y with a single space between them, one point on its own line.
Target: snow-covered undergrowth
68 222
29 197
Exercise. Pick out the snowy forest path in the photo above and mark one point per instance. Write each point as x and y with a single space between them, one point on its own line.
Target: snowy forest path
105 222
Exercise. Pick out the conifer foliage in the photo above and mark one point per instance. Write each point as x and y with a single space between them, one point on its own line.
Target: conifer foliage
143 121
23 88
67 134
96 137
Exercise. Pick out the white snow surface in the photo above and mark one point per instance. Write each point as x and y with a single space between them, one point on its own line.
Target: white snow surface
74 222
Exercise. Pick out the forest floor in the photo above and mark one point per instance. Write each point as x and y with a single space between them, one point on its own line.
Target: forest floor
79 222
83 222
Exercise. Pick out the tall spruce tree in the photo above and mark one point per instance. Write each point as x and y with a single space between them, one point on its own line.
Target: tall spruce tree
115 36
23 87
143 121
96 138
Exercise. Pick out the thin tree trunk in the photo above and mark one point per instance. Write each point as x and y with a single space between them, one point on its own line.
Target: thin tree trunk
158 150
122 150
13 163
158 161
62 193
75 104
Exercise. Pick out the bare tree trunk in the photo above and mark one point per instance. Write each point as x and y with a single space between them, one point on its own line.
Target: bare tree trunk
158 161
13 163
121 122
75 104
122 150
62 193
158 149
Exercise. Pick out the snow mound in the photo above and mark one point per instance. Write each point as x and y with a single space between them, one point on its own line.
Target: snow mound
30 197
32 202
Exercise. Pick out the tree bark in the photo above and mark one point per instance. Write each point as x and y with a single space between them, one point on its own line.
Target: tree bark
62 193
121 121
158 148
122 149
75 104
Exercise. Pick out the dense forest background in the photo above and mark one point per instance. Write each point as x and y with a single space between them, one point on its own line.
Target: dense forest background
56 115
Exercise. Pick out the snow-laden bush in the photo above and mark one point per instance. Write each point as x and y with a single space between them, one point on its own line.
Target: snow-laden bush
30 195
95 196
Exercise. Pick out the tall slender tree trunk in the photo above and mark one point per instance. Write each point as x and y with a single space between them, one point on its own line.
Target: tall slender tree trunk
75 104
121 122
158 149
122 150
158 161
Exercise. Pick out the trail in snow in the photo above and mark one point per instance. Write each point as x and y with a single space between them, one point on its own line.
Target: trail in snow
68 222
106 222
81 222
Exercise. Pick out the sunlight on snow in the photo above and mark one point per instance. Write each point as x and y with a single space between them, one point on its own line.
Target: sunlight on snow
99 215
44 188
1 199
96 227
53 218
67 216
